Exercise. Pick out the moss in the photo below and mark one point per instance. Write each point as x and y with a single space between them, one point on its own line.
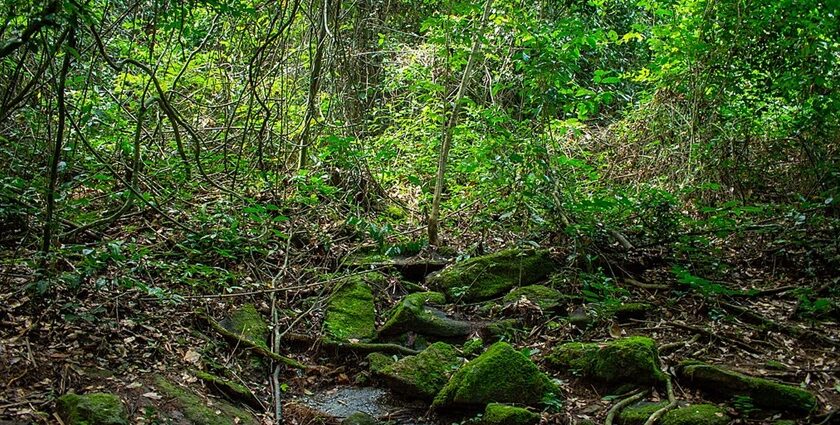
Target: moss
91 409
502 414
504 329
639 413
378 362
698 414
633 359
542 296
350 313
196 410
232 390
501 374
249 323
775 365
413 314
472 347
491 275
764 393
630 310
359 418
422 376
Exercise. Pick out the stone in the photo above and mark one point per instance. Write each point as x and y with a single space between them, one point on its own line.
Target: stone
421 376
626 360
697 414
627 311
350 311
503 414
92 409
488 276
501 374
413 314
542 296
472 347
196 410
763 392
247 322
359 418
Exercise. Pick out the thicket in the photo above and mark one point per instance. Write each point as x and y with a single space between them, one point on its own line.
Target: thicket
189 144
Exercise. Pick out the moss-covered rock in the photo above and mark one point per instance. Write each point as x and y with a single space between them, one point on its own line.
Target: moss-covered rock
639 413
472 347
359 418
484 277
501 374
377 362
413 313
542 296
421 376
626 311
350 312
197 411
249 323
698 414
633 359
233 391
91 409
503 414
764 393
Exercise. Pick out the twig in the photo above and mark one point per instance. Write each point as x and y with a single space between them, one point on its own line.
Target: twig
713 335
638 395
644 285
670 346
773 325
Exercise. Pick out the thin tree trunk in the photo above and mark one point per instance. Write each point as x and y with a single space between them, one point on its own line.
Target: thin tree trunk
55 158
314 85
446 143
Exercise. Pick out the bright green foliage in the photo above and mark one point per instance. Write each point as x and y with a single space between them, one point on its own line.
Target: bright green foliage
197 411
487 276
626 360
764 393
249 323
92 409
502 414
542 296
501 374
350 311
421 376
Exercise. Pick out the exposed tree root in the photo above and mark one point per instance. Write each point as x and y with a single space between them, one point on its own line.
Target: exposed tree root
616 409
364 347
672 402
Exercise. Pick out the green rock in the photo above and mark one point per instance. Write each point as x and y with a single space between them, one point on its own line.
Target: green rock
421 376
626 360
503 329
542 296
350 312
229 389
488 276
359 418
196 410
378 362
639 413
249 323
698 414
501 374
413 314
502 414
91 409
764 393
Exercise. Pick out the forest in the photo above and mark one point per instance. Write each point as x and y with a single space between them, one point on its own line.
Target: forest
223 212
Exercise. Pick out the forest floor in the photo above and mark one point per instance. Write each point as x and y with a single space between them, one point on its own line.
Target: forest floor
102 337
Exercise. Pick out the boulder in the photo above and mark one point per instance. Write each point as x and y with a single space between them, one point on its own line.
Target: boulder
626 360
503 414
542 296
247 322
350 311
488 276
697 414
501 374
764 393
201 412
413 313
421 376
91 409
